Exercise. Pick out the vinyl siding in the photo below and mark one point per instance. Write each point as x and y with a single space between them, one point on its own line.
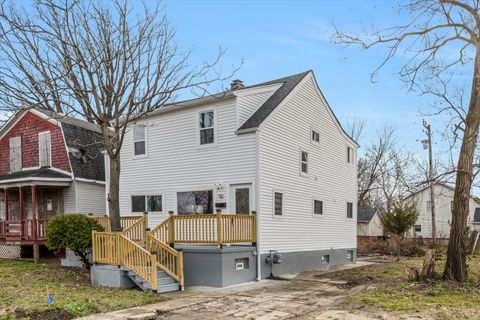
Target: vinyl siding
443 198
69 199
175 161
330 179
90 198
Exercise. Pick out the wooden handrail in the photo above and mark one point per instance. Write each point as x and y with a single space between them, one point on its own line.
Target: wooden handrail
206 229
136 231
168 259
117 249
125 221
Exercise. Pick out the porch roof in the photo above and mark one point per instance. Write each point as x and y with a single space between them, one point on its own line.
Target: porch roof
42 176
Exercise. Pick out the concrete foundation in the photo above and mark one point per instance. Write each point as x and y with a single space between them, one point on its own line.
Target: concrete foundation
110 276
218 267
294 262
72 260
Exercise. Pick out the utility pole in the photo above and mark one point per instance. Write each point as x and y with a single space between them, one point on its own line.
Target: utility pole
428 144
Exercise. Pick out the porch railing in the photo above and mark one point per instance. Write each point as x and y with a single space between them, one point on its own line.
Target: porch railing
28 229
168 259
206 229
125 221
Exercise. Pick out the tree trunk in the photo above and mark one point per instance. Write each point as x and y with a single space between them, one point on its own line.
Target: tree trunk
113 194
456 265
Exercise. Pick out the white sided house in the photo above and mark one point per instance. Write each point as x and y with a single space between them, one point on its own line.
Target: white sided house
273 151
443 194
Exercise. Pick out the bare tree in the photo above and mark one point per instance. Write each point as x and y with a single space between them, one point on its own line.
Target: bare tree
355 128
103 61
436 26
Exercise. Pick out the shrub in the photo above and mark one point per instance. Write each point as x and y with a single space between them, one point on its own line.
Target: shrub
72 231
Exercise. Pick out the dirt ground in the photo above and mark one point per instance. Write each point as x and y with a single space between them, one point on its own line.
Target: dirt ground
309 295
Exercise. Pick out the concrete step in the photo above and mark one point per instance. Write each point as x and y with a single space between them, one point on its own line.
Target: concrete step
168 287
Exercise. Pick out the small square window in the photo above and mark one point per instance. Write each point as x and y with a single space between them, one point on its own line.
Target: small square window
154 203
418 228
317 207
278 203
349 210
138 203
315 136
304 161
326 259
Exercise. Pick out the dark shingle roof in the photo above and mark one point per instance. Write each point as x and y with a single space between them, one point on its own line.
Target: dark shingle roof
476 215
365 214
39 173
275 99
92 142
84 135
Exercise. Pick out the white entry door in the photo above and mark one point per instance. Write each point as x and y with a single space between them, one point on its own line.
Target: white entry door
241 199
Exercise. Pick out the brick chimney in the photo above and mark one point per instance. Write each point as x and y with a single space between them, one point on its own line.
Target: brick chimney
236 85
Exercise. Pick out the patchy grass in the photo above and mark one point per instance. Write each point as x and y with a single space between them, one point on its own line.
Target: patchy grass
387 289
24 289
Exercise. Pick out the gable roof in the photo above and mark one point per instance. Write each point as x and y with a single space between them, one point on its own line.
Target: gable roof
439 183
365 214
275 99
78 134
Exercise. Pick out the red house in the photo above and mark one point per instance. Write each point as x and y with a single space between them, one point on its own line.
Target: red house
50 164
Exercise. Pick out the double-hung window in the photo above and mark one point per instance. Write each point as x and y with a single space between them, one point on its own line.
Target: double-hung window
304 161
44 149
207 127
15 154
278 203
315 136
139 143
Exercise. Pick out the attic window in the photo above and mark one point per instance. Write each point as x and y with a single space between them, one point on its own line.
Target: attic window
349 155
15 154
44 149
139 140
315 136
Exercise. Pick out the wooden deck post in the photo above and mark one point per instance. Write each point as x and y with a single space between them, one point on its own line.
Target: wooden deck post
171 231
154 272
23 223
6 205
34 213
219 229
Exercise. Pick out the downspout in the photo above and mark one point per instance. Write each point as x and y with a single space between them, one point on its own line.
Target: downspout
257 207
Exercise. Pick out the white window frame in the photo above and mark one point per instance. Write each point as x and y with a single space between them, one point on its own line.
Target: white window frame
312 130
134 141
313 208
346 211
302 162
350 155
40 152
10 157
278 216
215 136
145 195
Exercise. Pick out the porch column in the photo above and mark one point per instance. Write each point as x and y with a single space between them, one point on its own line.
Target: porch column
6 204
23 223
36 249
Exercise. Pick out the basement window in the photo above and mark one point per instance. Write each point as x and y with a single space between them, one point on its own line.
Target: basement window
242 263
349 255
326 259
418 228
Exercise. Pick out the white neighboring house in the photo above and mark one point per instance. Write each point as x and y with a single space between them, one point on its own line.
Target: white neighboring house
368 223
443 210
275 149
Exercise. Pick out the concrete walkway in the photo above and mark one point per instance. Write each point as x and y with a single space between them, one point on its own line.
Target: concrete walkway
304 296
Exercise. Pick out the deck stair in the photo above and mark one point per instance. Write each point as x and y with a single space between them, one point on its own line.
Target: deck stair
165 283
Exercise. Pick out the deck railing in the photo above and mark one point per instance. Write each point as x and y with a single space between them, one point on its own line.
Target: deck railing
125 221
28 229
168 259
206 229
117 249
